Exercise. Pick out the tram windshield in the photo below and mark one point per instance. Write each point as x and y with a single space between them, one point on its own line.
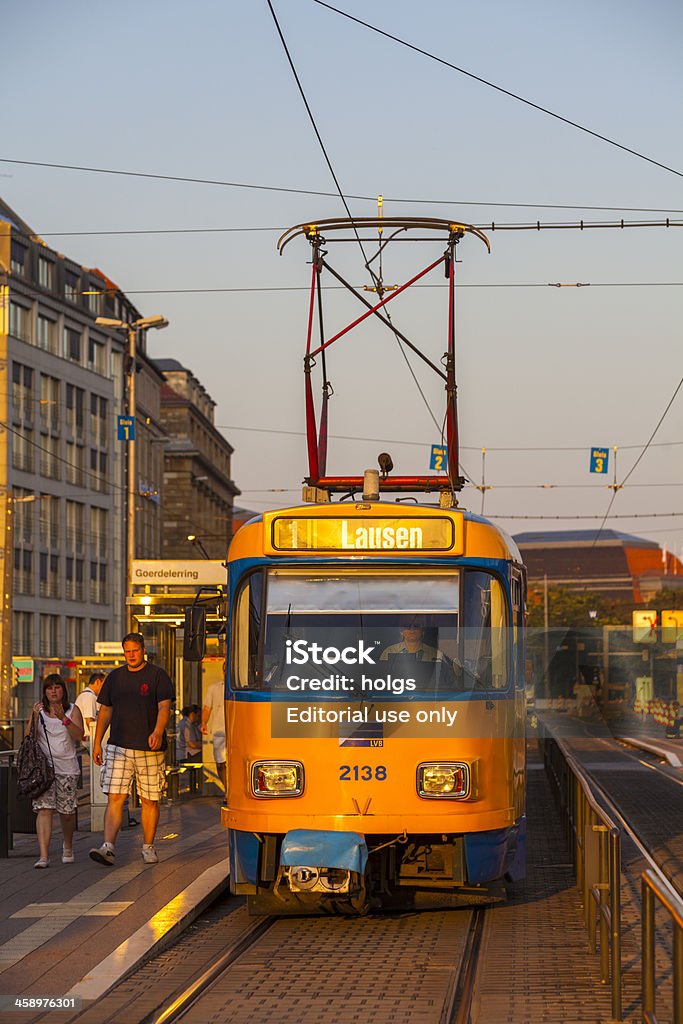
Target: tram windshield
424 631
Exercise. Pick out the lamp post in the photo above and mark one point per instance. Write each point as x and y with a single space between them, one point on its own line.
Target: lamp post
194 539
132 330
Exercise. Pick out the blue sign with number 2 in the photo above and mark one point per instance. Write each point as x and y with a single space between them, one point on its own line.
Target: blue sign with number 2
439 458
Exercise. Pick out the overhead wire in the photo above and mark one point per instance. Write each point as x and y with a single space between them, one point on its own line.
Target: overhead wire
499 88
376 281
188 179
583 225
618 487
303 288
59 458
425 444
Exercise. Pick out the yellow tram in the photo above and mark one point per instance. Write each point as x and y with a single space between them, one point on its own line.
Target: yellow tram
361 772
375 700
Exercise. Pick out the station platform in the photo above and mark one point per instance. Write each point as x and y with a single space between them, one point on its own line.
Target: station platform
75 929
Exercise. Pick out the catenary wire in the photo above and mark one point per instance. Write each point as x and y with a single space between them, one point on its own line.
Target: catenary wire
303 288
425 444
59 458
327 195
619 487
498 88
373 275
489 226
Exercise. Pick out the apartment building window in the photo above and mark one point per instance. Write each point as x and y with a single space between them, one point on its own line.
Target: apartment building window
99 631
22 393
74 636
49 636
46 273
20 322
49 575
74 578
22 633
98 583
97 356
49 520
49 402
98 479
75 526
23 449
72 344
18 258
23 505
71 286
47 336
94 296
50 461
98 531
75 464
75 410
22 581
98 420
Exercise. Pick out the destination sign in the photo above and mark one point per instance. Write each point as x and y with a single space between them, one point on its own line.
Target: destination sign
397 533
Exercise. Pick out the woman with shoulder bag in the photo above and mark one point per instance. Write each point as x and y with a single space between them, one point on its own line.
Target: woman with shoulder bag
60 730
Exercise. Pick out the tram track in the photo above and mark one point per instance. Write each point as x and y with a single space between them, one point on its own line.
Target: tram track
392 967
326 984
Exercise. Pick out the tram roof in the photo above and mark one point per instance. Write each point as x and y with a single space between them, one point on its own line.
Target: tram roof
506 544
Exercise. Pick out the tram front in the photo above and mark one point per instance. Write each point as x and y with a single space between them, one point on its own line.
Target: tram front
375 709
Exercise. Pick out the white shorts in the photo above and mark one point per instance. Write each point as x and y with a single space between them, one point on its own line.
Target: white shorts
219 747
121 765
62 795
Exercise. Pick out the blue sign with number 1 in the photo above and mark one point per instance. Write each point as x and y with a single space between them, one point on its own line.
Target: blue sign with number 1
599 460
125 426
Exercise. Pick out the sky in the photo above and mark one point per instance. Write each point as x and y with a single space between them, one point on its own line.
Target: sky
207 92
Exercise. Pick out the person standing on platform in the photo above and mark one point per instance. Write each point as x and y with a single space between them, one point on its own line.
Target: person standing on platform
60 730
135 701
189 745
213 721
86 702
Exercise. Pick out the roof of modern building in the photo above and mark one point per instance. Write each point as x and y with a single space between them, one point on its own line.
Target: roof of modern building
11 217
580 538
168 365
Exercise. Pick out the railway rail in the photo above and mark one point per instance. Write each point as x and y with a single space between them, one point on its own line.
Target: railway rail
406 968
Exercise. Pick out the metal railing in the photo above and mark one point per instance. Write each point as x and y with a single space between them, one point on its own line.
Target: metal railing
595 842
654 890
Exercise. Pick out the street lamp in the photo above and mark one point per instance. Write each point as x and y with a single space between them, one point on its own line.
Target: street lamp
194 539
132 329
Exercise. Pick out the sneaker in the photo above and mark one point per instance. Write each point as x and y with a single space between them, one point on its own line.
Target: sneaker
67 856
149 855
42 863
103 855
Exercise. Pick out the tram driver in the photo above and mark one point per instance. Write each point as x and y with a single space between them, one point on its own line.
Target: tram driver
412 654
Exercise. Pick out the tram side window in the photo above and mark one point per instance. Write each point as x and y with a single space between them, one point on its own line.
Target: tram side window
247 632
518 622
484 619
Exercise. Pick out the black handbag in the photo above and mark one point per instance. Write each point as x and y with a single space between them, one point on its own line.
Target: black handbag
35 773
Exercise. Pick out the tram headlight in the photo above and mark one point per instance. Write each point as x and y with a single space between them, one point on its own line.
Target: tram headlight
443 779
277 778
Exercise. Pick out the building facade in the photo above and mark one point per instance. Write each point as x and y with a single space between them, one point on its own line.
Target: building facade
198 488
617 565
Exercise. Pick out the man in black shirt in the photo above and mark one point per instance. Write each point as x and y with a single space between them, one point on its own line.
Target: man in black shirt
136 702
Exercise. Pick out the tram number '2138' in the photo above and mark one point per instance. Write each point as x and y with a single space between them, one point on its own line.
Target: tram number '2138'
362 773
